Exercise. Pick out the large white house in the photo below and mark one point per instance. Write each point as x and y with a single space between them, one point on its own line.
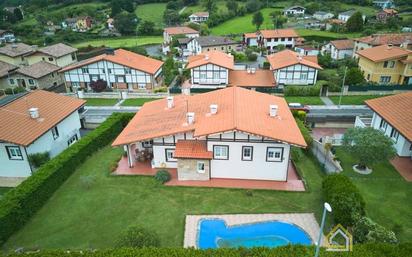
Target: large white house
170 32
231 133
321 16
393 116
121 69
270 39
344 16
199 17
205 44
294 10
36 122
291 68
339 49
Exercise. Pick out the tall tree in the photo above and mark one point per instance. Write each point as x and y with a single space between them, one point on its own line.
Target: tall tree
278 19
355 22
257 19
18 15
354 76
126 23
115 7
232 6
210 5
171 17
146 28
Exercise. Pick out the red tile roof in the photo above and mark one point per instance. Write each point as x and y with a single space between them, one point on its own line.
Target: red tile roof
287 58
239 109
277 33
396 110
180 30
384 39
123 57
383 53
18 127
213 57
343 44
250 35
192 149
243 78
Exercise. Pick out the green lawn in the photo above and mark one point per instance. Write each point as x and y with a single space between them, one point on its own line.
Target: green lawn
353 99
137 101
100 101
80 217
308 100
386 193
121 41
151 12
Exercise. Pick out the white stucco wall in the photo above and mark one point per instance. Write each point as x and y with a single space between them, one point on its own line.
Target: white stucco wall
296 75
214 76
13 168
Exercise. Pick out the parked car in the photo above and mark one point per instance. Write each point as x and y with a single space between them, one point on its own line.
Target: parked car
298 107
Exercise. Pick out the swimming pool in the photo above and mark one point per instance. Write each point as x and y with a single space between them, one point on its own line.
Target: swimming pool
214 233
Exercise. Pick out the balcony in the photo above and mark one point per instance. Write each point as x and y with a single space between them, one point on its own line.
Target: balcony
363 121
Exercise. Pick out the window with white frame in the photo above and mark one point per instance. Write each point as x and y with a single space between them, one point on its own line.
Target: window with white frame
394 135
201 167
85 70
11 81
385 79
141 86
120 79
274 154
170 155
127 71
383 125
202 75
147 144
14 153
303 76
221 152
55 132
247 153
72 140
216 75
31 81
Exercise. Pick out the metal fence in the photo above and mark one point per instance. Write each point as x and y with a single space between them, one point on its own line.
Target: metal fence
369 87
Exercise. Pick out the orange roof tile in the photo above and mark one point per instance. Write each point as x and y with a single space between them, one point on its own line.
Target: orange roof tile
287 58
243 78
384 39
396 110
192 149
214 57
390 11
180 30
239 109
200 14
277 33
123 57
250 35
383 53
19 128
343 44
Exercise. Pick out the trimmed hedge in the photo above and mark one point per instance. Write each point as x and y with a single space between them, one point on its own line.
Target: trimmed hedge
305 132
361 250
302 90
19 204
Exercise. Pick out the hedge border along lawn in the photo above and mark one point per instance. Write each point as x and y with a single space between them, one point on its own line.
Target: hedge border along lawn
361 250
19 204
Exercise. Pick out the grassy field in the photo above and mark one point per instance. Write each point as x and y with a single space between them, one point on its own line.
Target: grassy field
151 12
122 42
78 216
386 193
100 101
308 100
353 99
137 101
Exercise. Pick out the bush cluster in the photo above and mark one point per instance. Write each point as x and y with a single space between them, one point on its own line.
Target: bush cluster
305 132
19 204
162 176
14 90
138 237
302 90
38 159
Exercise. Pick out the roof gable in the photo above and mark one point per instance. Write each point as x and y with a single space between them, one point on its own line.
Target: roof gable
287 58
213 57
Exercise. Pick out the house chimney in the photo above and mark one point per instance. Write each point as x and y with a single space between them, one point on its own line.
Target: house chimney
390 46
213 109
34 113
253 70
190 117
206 57
170 102
273 110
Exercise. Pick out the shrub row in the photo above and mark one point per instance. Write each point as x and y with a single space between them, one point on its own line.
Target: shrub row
305 132
361 250
19 204
302 90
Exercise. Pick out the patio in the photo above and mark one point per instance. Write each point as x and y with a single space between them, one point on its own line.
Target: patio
294 183
404 166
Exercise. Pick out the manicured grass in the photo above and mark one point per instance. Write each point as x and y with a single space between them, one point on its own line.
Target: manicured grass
151 12
386 193
92 217
353 99
100 101
308 100
121 41
137 101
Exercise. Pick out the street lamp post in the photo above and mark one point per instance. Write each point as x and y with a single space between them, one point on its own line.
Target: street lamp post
343 85
326 208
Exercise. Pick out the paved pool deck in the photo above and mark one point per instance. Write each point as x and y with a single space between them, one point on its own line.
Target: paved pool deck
305 221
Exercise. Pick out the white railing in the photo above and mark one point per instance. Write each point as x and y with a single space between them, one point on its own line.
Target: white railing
363 122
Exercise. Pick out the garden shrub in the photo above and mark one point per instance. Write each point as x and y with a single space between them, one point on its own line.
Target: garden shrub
138 237
21 203
305 132
15 90
160 90
38 159
302 90
163 176
266 65
366 230
344 197
252 57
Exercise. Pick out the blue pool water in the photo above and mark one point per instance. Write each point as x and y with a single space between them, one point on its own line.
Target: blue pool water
214 233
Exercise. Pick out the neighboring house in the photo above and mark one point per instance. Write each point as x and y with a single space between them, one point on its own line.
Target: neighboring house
321 16
7 36
169 33
291 68
250 39
36 122
110 23
121 69
252 78
58 54
199 17
41 75
344 16
294 10
385 14
393 116
84 23
386 64
11 9
397 39
205 44
69 23
232 133
339 49
384 4
16 53
334 23
210 70
6 69
307 50
270 39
